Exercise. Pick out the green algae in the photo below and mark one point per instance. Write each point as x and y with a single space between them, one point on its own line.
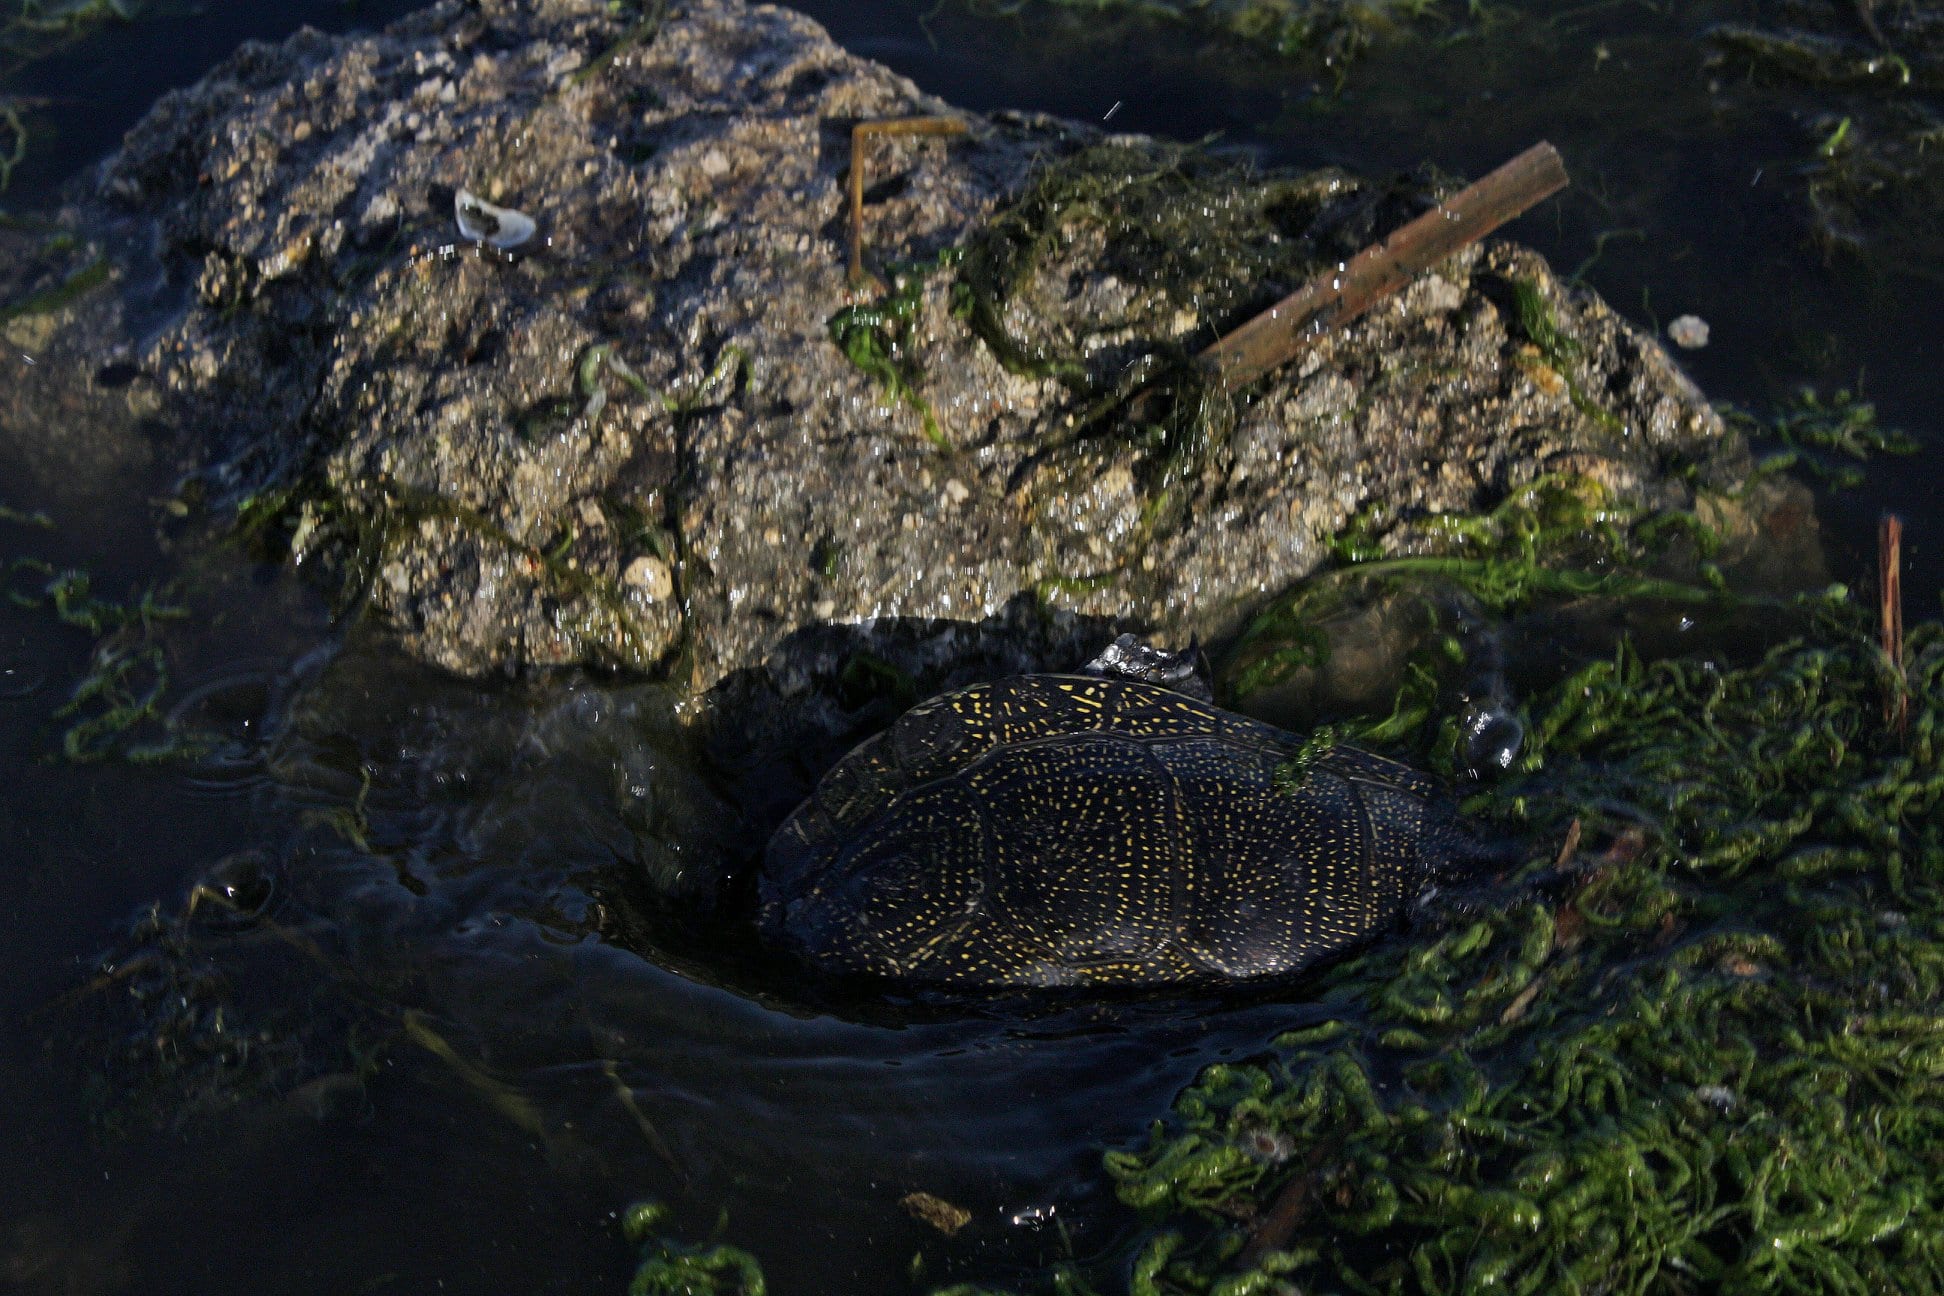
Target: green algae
34 29
1558 349
1842 423
1541 327
379 523
1705 1056
71 289
365 529
1873 182
1557 537
1825 61
1866 79
1112 269
647 24
1714 1066
115 710
13 142
362 533
1207 240
1293 773
1697 1048
877 337
1830 435
671 1268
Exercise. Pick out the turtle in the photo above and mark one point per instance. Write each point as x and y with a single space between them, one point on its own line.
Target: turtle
1109 828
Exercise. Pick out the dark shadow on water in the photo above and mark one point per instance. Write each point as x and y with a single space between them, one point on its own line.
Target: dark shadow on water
430 926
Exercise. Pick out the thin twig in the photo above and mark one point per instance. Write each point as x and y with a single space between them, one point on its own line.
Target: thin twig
1334 298
861 136
1896 702
1569 847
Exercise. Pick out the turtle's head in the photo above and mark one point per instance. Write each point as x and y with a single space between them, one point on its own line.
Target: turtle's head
1129 657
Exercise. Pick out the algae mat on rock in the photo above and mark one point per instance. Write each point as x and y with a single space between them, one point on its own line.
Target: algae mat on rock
641 445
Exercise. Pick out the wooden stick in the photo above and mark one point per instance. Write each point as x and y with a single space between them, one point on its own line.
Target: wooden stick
861 136
1896 702
1334 298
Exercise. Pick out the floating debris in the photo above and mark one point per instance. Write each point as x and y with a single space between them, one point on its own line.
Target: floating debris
928 1208
482 222
1689 332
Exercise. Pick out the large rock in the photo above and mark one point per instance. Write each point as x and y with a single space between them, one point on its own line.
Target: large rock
634 442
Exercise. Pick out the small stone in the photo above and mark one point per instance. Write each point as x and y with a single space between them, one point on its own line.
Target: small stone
651 576
1689 332
956 491
301 132
714 164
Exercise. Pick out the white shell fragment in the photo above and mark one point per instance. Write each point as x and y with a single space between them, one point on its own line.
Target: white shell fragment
482 222
1689 332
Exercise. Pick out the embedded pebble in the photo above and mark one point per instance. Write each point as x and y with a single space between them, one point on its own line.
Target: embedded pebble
650 575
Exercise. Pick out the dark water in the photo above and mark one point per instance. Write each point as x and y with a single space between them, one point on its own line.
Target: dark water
411 1065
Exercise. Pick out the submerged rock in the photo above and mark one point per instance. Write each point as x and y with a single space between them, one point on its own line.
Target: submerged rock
637 443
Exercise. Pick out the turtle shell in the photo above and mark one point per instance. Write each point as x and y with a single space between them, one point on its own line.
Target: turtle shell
1069 829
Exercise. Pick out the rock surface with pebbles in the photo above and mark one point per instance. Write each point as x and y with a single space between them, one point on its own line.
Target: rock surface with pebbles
633 442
